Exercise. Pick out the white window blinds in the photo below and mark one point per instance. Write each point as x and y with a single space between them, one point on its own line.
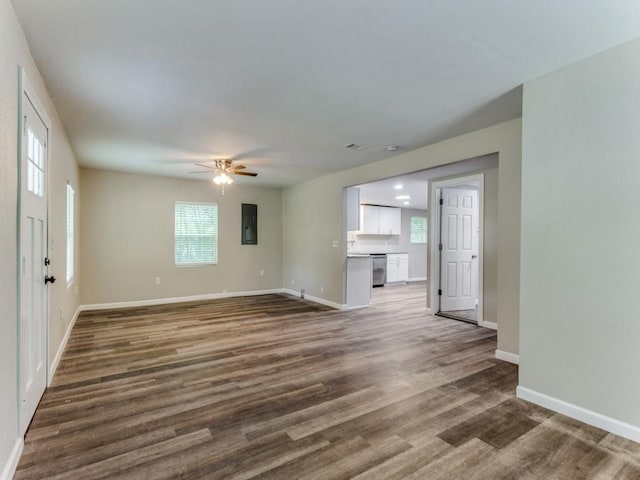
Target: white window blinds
418 229
70 232
196 233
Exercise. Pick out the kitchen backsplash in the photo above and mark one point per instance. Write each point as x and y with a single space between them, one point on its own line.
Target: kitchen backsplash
373 243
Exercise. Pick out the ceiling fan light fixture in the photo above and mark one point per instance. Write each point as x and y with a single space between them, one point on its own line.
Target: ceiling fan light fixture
222 179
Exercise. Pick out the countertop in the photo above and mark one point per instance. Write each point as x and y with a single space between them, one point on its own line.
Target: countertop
362 254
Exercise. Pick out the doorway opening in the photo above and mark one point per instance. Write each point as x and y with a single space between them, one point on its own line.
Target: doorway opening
459 225
420 227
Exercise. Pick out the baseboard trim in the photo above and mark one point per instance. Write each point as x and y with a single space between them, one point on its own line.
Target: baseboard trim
508 357
417 279
56 360
12 462
319 300
491 325
589 417
191 298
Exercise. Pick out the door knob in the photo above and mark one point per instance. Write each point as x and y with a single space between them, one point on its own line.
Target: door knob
474 256
49 279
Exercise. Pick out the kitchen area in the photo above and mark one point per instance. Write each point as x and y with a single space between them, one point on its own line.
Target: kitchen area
386 236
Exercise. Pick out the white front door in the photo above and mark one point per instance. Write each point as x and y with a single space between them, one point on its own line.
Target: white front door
33 253
459 256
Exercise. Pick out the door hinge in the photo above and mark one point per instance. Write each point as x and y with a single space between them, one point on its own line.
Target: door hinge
440 246
439 292
47 262
442 201
24 125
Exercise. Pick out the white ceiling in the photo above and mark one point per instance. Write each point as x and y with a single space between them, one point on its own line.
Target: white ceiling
383 192
154 85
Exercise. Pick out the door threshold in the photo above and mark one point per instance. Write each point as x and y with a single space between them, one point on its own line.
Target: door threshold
455 317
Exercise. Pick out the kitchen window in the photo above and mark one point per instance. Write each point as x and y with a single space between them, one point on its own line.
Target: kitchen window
196 234
418 229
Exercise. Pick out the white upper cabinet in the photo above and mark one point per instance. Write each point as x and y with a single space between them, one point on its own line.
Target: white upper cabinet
369 219
375 220
390 221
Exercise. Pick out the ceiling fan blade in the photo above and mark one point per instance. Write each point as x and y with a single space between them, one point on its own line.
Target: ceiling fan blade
247 174
204 165
203 171
237 167
256 152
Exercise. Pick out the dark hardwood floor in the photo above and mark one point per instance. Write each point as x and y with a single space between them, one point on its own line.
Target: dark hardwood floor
272 387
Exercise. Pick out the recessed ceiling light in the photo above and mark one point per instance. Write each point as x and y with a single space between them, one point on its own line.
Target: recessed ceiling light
403 197
398 186
407 202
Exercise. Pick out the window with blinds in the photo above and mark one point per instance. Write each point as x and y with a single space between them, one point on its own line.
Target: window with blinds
71 194
196 233
418 230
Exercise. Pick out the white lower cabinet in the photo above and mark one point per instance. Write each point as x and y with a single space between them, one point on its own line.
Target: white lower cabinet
397 267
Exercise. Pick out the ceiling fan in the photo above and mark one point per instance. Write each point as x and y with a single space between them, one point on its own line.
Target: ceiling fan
225 166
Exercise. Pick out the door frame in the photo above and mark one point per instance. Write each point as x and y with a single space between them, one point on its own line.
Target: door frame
25 89
434 219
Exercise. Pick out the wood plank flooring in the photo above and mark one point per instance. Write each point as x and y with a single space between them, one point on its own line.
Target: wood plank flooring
273 387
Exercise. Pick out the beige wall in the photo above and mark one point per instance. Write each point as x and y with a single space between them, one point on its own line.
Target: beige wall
490 246
312 215
14 52
128 238
580 340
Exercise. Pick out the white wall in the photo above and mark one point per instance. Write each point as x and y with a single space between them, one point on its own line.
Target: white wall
312 216
580 302
128 238
14 52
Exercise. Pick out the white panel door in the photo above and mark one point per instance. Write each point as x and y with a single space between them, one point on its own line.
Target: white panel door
459 255
33 251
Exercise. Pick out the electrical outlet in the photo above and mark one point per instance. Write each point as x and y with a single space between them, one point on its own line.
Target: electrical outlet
335 244
262 273
292 281
157 280
321 288
224 290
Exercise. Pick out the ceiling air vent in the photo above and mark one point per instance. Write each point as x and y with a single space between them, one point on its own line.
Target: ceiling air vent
354 146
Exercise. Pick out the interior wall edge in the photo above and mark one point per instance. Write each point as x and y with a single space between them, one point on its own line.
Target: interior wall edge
508 357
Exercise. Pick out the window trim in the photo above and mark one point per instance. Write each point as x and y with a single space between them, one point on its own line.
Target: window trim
411 231
70 234
216 236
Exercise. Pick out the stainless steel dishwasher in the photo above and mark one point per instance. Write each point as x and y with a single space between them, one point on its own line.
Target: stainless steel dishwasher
379 265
